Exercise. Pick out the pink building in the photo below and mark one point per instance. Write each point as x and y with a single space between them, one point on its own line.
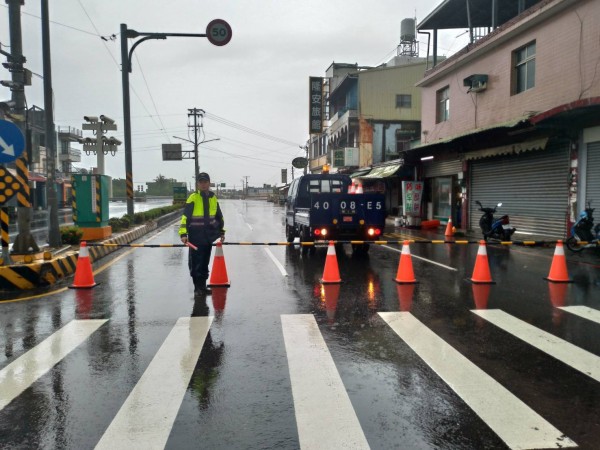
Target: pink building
514 117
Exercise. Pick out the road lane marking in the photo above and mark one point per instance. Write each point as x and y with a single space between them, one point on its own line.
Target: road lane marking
147 416
32 365
399 250
576 357
583 311
324 414
511 419
276 261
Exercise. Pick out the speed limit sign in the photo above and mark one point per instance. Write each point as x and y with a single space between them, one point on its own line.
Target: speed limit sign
218 32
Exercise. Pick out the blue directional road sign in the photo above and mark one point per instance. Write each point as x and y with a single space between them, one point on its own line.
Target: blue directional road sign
12 142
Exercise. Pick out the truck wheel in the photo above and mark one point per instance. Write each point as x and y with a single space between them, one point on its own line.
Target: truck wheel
290 234
305 237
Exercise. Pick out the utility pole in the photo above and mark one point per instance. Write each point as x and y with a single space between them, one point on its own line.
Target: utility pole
195 112
54 239
100 145
24 240
246 184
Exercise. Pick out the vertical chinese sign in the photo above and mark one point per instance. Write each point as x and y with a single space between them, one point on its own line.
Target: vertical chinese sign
315 105
412 195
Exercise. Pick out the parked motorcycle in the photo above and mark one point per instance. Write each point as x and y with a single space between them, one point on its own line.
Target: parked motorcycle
494 228
582 231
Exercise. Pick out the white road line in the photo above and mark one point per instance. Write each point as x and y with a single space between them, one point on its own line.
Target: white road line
28 368
511 419
399 250
249 226
146 418
583 311
324 413
277 263
576 357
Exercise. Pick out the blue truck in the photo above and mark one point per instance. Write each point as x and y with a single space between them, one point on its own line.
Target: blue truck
320 207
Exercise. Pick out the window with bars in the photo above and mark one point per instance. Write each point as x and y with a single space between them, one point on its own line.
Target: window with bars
403 101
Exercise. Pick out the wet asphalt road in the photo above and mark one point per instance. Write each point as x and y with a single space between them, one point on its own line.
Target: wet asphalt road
276 361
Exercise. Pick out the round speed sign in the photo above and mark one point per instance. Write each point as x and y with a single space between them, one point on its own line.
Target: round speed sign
218 32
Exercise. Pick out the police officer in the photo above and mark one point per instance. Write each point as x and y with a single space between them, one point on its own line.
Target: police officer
201 224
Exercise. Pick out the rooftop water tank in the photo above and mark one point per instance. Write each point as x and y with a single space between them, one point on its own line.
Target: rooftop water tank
407 30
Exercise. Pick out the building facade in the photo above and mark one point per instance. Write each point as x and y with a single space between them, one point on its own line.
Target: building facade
514 117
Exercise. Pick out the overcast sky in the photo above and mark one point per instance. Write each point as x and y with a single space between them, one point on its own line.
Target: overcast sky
254 90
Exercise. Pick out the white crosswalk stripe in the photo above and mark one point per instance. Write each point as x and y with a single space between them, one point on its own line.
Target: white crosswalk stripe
511 419
583 311
576 357
147 416
324 414
28 368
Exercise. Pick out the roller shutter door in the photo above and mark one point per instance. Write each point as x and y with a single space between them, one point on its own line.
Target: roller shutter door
533 188
592 188
433 169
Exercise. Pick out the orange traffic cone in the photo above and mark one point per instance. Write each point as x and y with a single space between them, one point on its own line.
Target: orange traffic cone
359 189
218 274
331 273
481 272
481 294
558 269
352 188
84 278
405 274
449 228
405 296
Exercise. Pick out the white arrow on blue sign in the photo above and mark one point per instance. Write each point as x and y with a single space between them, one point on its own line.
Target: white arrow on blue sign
12 142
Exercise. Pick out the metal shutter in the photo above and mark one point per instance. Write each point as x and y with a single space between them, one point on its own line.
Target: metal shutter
592 178
533 188
441 168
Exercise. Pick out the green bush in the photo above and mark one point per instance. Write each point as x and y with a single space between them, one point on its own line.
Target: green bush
71 235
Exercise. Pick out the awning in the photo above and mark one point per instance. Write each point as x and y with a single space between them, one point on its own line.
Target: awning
36 177
383 171
530 145
360 173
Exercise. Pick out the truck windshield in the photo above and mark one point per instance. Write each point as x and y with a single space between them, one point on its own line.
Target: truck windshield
325 186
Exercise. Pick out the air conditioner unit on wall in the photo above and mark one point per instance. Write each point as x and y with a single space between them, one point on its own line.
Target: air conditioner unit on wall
476 82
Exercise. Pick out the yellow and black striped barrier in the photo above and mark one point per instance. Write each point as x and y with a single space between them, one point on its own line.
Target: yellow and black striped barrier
325 243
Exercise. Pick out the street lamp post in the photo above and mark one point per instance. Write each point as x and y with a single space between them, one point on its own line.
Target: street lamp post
218 32
196 145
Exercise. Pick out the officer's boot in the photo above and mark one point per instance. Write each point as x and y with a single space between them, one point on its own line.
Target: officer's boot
200 286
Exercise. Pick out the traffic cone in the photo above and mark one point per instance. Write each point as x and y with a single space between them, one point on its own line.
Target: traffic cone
481 294
352 188
481 272
332 294
331 273
359 189
558 269
218 274
84 278
405 296
405 274
449 229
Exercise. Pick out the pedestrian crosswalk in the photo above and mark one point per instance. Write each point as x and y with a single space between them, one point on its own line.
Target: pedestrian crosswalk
320 398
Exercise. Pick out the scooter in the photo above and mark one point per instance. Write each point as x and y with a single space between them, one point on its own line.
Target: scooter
499 229
582 231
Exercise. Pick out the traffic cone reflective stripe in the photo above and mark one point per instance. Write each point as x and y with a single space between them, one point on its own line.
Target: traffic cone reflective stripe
359 189
405 272
558 269
84 277
218 274
352 188
331 273
481 272
449 228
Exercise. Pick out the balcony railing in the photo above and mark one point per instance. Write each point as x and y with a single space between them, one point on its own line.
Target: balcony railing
73 155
